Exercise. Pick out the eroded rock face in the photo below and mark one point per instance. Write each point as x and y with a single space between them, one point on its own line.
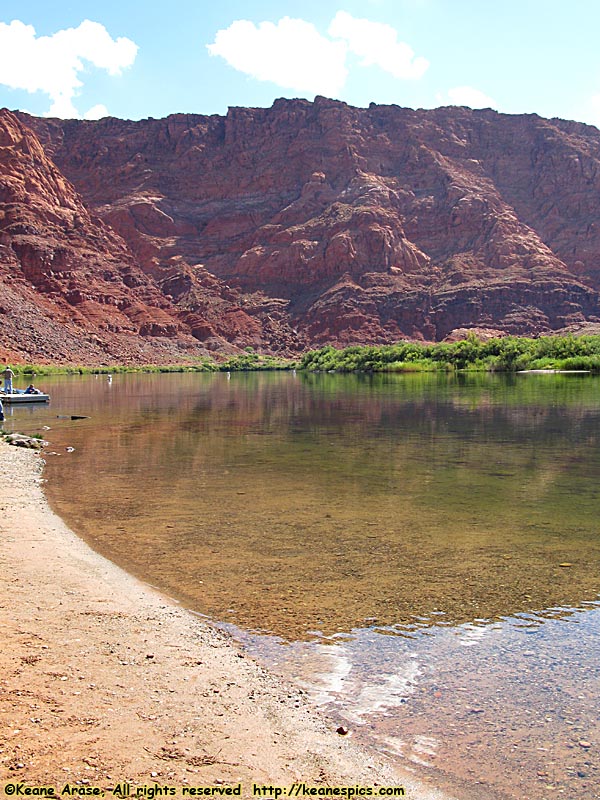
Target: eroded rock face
298 225
73 289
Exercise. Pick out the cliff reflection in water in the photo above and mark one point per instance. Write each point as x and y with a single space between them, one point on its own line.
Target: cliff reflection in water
323 503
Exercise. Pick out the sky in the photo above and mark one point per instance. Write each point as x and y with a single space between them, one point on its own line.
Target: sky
135 59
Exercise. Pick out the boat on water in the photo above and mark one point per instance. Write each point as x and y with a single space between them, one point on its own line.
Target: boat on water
22 396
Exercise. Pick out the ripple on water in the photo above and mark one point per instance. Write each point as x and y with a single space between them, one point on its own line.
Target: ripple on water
520 713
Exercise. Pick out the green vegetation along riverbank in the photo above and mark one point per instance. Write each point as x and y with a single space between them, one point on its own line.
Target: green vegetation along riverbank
508 354
249 360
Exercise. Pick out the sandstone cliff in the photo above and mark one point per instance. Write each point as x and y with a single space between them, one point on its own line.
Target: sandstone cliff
292 226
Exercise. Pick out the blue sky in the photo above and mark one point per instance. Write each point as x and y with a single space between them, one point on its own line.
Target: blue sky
135 59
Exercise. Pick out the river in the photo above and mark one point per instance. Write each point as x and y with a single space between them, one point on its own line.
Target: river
420 552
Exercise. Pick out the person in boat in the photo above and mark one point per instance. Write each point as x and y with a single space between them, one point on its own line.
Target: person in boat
8 377
32 390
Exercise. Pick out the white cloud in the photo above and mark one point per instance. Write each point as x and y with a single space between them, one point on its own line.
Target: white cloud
377 44
96 112
468 96
51 64
291 53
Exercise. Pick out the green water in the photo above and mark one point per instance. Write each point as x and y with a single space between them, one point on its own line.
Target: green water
316 503
309 506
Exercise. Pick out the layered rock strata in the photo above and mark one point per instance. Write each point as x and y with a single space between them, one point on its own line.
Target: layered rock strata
291 227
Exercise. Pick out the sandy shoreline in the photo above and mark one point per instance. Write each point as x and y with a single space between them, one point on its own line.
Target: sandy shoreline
104 680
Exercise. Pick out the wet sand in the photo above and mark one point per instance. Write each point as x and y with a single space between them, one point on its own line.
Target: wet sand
104 680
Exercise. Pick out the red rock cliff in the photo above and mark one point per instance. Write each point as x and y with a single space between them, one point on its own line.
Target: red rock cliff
304 223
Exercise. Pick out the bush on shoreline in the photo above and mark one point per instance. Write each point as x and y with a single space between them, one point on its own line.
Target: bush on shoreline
114 369
508 354
250 361
247 361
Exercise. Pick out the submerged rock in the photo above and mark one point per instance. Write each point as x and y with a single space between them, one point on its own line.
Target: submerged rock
21 440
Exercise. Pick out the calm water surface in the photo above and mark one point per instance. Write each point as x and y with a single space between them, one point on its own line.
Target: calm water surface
421 552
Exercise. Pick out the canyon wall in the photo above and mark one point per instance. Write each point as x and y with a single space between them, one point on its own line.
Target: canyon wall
291 227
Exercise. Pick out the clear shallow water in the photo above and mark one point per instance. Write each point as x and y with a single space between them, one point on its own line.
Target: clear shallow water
489 710
422 552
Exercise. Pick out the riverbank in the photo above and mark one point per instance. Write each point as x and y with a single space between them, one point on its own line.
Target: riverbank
105 681
479 350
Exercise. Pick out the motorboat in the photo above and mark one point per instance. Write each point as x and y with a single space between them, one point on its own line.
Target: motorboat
22 396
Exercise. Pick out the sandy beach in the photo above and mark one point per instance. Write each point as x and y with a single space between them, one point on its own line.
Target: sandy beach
104 681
